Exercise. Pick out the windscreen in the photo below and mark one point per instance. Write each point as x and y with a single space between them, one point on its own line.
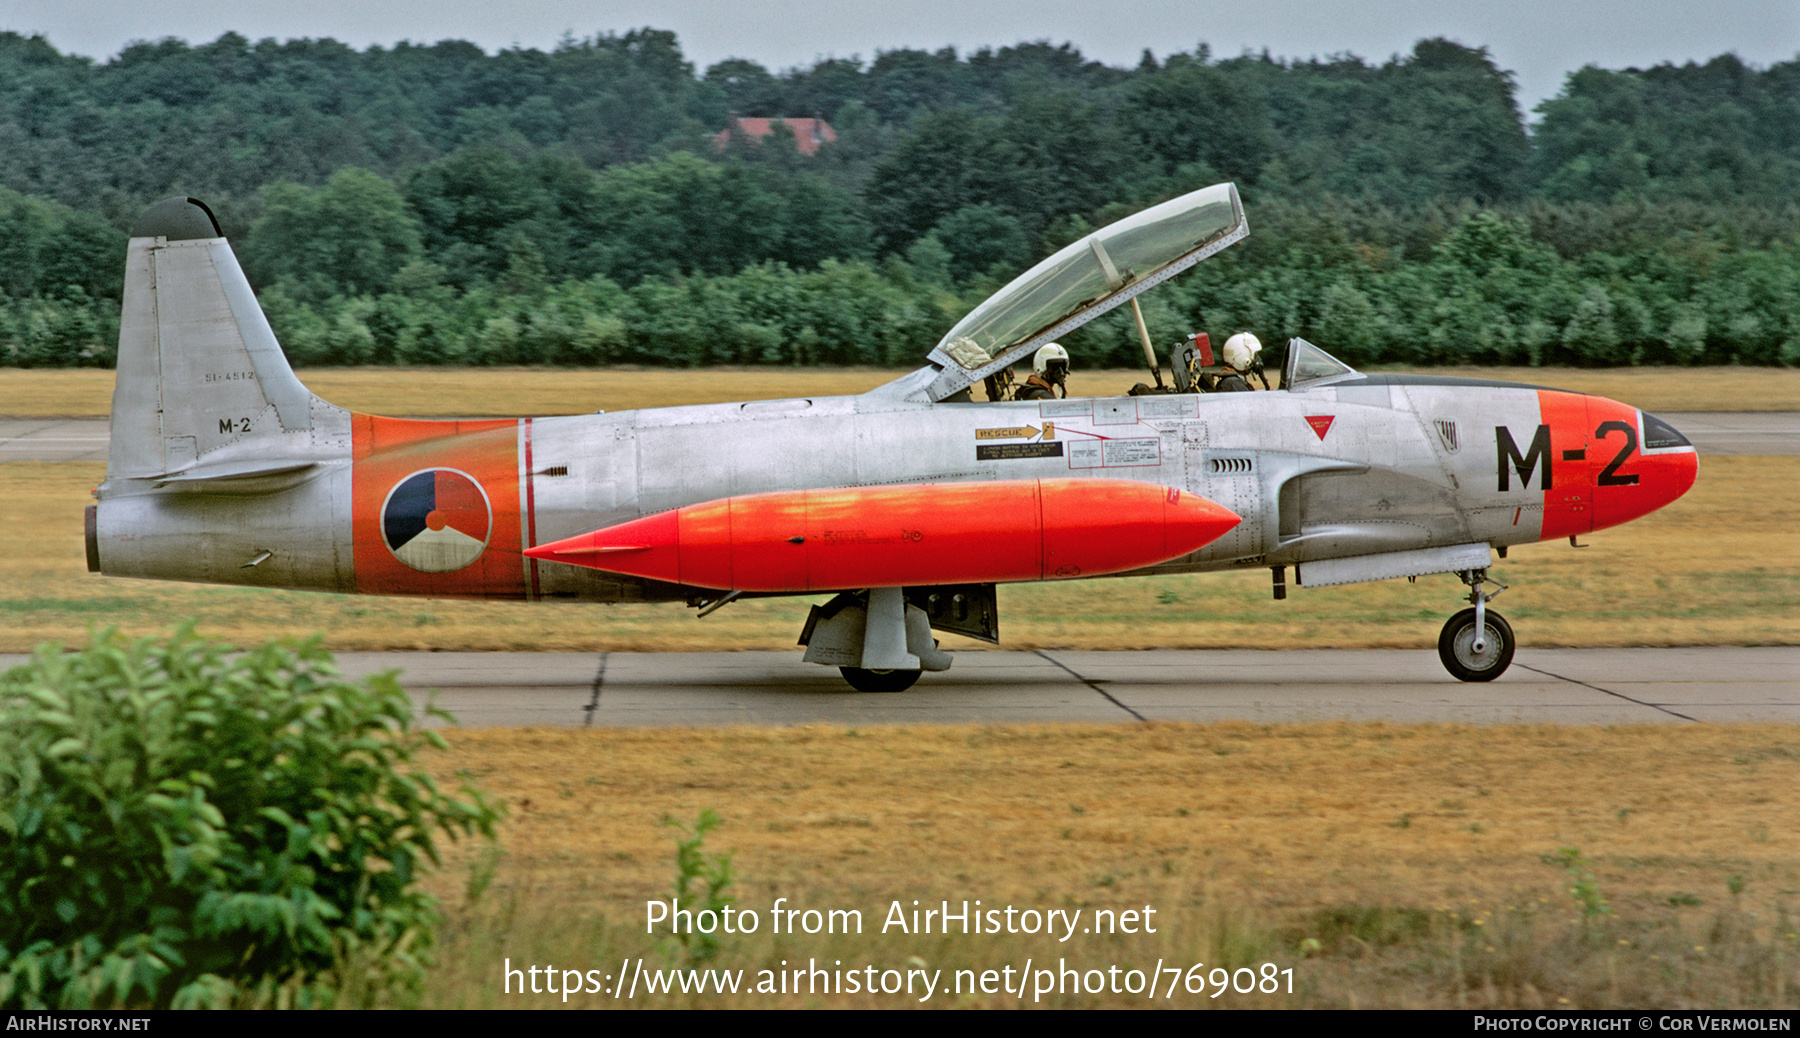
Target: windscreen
1307 365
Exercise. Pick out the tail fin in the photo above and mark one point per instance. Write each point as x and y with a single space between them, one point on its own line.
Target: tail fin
202 383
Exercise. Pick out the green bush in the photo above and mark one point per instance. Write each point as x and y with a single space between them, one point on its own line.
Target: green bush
703 880
182 827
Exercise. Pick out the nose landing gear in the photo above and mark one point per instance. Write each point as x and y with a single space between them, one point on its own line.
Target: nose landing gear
1477 644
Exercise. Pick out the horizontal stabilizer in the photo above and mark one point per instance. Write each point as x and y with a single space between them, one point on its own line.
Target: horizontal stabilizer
232 472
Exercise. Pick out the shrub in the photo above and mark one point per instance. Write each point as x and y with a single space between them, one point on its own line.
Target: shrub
184 828
702 879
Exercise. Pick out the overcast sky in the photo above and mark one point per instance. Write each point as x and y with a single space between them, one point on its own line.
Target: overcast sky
1539 40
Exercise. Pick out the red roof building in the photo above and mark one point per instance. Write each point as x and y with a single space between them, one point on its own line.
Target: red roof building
809 134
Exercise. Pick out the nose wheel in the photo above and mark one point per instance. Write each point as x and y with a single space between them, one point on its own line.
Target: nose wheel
1477 644
1469 658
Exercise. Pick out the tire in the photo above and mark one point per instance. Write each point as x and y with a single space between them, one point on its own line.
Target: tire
879 680
1455 647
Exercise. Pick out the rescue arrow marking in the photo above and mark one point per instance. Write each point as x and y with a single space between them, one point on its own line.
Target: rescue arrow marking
1017 432
1321 423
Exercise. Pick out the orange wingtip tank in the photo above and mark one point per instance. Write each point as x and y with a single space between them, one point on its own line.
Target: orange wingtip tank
892 536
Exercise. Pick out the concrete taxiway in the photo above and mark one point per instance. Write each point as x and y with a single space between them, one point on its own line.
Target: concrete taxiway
53 439
1771 432
1544 686
1714 684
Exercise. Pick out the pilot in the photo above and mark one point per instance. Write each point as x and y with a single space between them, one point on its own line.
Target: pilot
1241 355
1049 373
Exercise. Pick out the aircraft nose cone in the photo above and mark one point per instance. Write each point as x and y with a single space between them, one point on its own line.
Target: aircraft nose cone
1633 480
1678 468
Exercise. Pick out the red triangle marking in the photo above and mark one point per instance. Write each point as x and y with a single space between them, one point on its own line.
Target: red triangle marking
1321 423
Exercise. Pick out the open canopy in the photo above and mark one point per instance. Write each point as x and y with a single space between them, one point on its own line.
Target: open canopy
1085 280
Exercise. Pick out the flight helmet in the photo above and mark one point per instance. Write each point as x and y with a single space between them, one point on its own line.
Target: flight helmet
1241 351
1051 363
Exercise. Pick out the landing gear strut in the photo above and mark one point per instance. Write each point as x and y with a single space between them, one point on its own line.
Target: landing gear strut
1477 644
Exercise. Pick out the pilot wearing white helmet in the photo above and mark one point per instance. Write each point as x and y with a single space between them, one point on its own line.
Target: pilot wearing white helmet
1241 358
1049 373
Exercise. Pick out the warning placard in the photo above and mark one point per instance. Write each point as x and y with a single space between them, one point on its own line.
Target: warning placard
1014 451
1065 408
1146 451
1107 454
1168 406
1115 412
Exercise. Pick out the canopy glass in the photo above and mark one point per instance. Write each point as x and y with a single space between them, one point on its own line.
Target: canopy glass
1091 276
1308 365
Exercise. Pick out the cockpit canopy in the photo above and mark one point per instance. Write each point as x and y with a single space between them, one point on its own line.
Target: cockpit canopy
1085 280
1308 366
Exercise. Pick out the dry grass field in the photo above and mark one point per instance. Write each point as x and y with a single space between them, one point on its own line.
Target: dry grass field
1426 863
546 391
1720 566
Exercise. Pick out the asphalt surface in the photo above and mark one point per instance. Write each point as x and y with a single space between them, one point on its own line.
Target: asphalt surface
1706 685
1713 432
1738 432
1544 686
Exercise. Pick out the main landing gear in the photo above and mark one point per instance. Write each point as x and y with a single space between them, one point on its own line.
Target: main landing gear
876 639
1477 644
879 680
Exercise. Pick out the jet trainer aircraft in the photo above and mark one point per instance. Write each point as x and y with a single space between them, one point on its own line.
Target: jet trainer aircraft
907 504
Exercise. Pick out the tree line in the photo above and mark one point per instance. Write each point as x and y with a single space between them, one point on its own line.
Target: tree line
435 204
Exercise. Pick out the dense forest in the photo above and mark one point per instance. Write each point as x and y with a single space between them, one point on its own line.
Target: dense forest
437 204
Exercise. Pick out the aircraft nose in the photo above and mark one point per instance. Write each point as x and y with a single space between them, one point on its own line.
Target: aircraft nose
1637 478
1679 461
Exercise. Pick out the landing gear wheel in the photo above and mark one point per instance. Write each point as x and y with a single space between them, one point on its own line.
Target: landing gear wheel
1456 647
888 680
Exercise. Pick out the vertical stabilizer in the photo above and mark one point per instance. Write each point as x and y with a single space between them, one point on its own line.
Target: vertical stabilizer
201 378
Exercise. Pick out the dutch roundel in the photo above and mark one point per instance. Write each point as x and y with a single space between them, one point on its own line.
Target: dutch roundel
437 520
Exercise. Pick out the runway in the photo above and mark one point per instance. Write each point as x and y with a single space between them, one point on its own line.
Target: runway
1705 685
1713 432
1544 686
